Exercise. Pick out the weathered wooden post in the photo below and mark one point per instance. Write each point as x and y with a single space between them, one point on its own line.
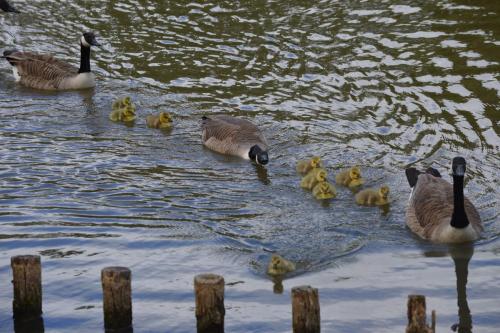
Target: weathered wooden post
305 310
417 321
27 280
209 299
117 299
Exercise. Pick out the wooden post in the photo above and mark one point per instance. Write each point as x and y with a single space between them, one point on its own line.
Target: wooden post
209 299
417 321
117 299
305 310
27 280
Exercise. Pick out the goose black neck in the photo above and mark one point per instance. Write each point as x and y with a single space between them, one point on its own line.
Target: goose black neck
84 59
458 218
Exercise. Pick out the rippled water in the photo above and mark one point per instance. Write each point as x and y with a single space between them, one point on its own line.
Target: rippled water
382 85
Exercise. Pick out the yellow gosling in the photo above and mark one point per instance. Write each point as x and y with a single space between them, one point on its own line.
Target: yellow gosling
324 190
304 166
350 178
279 266
125 115
161 120
122 103
371 197
312 178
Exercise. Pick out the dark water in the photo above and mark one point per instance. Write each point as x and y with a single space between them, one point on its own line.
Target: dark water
384 85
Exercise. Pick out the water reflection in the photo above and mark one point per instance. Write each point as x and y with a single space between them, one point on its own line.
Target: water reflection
461 256
29 325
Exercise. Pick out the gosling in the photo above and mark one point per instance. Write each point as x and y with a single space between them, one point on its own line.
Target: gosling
279 266
324 190
350 178
304 166
162 120
122 103
312 178
125 115
371 197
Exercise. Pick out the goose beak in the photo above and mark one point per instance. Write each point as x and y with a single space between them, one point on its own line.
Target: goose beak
94 42
262 158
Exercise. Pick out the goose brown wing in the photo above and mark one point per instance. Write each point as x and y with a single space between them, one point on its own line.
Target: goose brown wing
432 201
41 66
218 129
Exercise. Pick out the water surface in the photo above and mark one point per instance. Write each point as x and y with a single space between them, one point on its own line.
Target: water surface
383 85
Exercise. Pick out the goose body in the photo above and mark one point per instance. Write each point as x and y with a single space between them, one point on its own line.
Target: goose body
234 136
46 72
7 7
438 210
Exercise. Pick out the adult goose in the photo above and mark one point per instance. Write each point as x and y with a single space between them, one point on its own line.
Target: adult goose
438 210
235 136
44 71
6 7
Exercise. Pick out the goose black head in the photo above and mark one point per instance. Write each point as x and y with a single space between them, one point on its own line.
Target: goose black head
458 166
88 39
258 155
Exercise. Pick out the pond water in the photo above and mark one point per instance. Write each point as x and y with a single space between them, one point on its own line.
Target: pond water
384 85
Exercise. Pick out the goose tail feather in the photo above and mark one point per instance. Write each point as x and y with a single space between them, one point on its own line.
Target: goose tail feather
412 176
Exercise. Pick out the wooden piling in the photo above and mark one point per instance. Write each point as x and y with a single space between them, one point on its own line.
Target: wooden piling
27 280
305 310
417 321
209 299
117 299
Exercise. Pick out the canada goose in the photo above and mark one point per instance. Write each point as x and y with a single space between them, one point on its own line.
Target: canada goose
234 136
324 190
371 197
438 211
313 177
350 178
304 166
43 71
7 7
279 266
161 120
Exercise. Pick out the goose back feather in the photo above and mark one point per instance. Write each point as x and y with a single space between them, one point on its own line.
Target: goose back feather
231 136
41 71
430 210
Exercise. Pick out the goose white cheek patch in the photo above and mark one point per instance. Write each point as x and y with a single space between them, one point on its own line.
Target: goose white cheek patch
84 42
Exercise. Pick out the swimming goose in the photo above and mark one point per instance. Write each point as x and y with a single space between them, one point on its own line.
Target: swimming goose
234 136
6 7
437 210
43 71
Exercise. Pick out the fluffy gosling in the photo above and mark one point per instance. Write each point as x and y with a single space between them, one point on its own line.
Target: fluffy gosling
122 103
350 178
304 166
324 190
371 197
279 266
312 178
162 120
125 115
